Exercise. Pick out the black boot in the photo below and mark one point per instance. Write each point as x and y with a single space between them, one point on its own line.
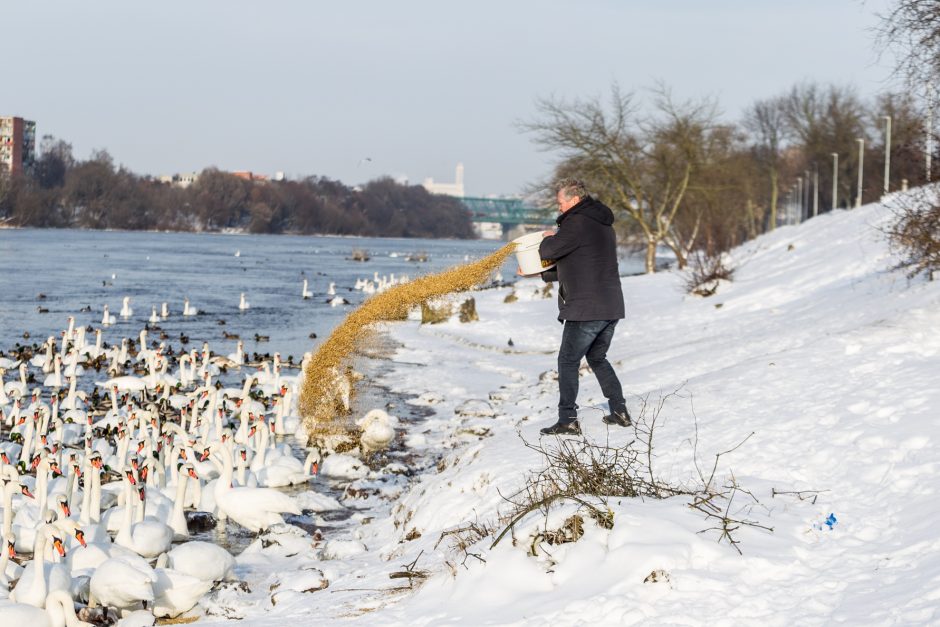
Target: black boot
621 419
570 427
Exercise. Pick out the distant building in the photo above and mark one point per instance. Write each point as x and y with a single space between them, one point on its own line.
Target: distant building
447 189
17 145
180 180
249 176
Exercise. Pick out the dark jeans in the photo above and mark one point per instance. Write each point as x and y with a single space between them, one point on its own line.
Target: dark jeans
589 339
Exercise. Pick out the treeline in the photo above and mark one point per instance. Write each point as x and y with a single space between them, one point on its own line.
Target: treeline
678 174
60 191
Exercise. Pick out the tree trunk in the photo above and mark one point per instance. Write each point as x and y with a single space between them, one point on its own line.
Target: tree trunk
650 256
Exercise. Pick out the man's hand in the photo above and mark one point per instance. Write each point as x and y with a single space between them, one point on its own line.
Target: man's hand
547 233
519 273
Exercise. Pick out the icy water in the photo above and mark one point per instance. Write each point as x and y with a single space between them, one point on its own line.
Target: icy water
88 269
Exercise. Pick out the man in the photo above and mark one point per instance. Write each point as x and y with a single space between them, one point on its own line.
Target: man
590 301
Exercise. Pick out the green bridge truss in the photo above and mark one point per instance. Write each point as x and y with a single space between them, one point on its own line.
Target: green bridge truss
506 211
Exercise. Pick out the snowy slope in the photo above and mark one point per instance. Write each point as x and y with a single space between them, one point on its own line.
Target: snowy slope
822 351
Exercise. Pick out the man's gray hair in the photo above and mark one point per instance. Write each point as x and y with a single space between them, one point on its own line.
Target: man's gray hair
571 188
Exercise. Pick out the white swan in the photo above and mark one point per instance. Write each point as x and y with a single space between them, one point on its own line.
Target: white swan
39 578
154 318
121 583
305 293
252 508
189 310
202 560
377 430
242 303
59 612
175 592
147 538
331 290
126 311
108 318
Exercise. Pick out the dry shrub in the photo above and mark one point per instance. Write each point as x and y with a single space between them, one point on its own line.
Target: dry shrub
705 271
468 311
435 315
316 404
915 234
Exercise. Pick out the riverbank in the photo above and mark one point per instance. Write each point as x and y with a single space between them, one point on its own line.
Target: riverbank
817 357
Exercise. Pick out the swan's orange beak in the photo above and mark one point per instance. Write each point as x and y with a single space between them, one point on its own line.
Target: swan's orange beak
315 468
252 431
244 454
192 473
205 455
35 462
143 473
97 463
6 460
142 493
66 510
140 446
272 428
130 477
183 454
11 551
57 543
80 536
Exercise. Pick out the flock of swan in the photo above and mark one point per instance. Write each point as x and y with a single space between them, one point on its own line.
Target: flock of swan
100 489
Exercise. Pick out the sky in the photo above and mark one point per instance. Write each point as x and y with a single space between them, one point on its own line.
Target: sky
365 88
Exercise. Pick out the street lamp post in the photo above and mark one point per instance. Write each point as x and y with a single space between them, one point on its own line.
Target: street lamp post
835 181
861 163
815 190
799 198
887 120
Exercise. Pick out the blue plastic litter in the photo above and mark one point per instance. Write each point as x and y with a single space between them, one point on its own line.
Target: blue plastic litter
831 521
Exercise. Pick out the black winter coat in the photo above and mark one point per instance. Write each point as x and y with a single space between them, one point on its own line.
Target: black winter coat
585 249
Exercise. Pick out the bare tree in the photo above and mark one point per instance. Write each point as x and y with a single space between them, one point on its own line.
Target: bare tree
766 121
911 29
640 166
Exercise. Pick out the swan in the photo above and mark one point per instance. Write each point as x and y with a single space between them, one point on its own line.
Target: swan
108 318
175 592
337 300
147 538
242 303
252 508
59 612
202 560
305 293
377 430
189 310
18 389
164 311
126 311
40 578
154 318
331 291
39 361
121 583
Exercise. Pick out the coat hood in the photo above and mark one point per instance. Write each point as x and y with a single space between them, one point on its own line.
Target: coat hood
591 208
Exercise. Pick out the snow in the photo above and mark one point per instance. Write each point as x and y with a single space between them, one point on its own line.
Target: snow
818 348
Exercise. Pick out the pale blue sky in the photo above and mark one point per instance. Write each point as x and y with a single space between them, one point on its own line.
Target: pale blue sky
316 87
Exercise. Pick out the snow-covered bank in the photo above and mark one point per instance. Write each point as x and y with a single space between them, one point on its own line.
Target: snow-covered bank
830 358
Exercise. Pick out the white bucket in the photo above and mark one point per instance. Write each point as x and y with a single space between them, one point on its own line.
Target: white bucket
527 254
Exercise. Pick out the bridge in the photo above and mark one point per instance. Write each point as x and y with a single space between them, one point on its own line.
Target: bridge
508 212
